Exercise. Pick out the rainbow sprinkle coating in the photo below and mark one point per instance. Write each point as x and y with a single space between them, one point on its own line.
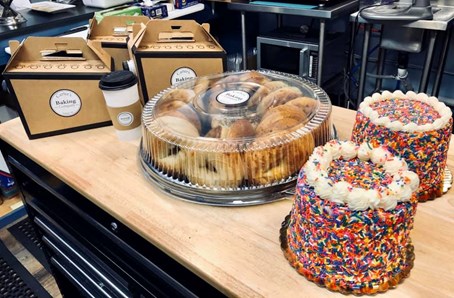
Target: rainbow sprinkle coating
406 110
424 148
350 251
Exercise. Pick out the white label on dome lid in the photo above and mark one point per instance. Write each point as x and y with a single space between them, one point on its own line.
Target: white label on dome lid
182 74
233 97
65 103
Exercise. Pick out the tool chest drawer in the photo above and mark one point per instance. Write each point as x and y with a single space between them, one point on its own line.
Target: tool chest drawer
93 251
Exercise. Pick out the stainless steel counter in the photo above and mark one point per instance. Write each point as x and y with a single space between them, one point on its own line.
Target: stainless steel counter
329 12
322 13
443 14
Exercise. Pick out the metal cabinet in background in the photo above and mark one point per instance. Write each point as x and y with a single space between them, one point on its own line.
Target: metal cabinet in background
321 13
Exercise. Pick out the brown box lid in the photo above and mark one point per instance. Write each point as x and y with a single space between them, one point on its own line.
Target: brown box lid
114 29
44 55
175 36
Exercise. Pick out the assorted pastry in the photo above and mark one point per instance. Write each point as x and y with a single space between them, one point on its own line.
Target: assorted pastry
235 130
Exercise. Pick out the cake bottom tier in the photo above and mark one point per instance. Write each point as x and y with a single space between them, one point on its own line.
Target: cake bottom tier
342 285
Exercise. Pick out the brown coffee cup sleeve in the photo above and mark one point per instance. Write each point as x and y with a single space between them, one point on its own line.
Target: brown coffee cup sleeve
126 118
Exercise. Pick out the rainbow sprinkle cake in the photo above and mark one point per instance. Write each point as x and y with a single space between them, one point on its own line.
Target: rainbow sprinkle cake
349 226
414 126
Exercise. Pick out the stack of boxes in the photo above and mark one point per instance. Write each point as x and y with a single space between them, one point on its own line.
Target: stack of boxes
54 80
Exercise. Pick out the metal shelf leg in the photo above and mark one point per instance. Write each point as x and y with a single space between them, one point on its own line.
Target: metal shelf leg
243 39
446 42
428 62
321 51
362 76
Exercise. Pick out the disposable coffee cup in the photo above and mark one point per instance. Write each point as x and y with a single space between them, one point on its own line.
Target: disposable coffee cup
122 99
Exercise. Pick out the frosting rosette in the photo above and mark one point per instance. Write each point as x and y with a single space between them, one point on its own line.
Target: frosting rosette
417 127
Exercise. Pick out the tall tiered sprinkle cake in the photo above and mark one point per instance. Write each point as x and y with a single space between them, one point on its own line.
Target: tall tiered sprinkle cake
349 226
414 126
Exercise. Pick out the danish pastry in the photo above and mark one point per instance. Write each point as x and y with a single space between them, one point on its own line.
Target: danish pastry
281 118
224 169
277 97
307 104
168 156
181 109
241 128
279 160
185 95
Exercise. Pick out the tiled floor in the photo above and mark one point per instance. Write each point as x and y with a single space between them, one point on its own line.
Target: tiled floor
30 262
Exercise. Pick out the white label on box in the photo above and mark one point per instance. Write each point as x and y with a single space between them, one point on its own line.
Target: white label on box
233 97
182 74
65 103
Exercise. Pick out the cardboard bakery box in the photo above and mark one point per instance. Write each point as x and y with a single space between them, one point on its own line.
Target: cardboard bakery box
54 82
113 32
167 52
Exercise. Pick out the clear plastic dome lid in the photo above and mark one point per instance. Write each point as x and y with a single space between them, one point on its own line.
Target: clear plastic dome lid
237 106
235 131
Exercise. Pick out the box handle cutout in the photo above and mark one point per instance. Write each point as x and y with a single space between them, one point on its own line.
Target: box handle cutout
185 36
121 31
61 52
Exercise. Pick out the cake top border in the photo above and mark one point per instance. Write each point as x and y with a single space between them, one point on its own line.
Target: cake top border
404 182
444 111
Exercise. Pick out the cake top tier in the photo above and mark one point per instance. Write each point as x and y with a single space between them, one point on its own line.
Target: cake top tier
359 176
406 112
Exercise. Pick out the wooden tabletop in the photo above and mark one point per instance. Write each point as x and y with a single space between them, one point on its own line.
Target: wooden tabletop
236 249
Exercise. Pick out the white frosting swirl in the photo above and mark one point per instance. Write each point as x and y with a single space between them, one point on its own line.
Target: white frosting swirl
358 200
404 182
410 127
333 148
402 191
394 125
364 151
340 192
379 155
323 188
438 124
444 112
374 199
394 165
412 178
382 120
312 175
348 150
406 193
388 202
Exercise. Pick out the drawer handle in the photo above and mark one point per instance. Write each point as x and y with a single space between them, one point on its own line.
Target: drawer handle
68 260
71 277
46 228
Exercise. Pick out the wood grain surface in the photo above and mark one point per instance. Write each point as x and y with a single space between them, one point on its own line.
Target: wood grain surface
236 249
